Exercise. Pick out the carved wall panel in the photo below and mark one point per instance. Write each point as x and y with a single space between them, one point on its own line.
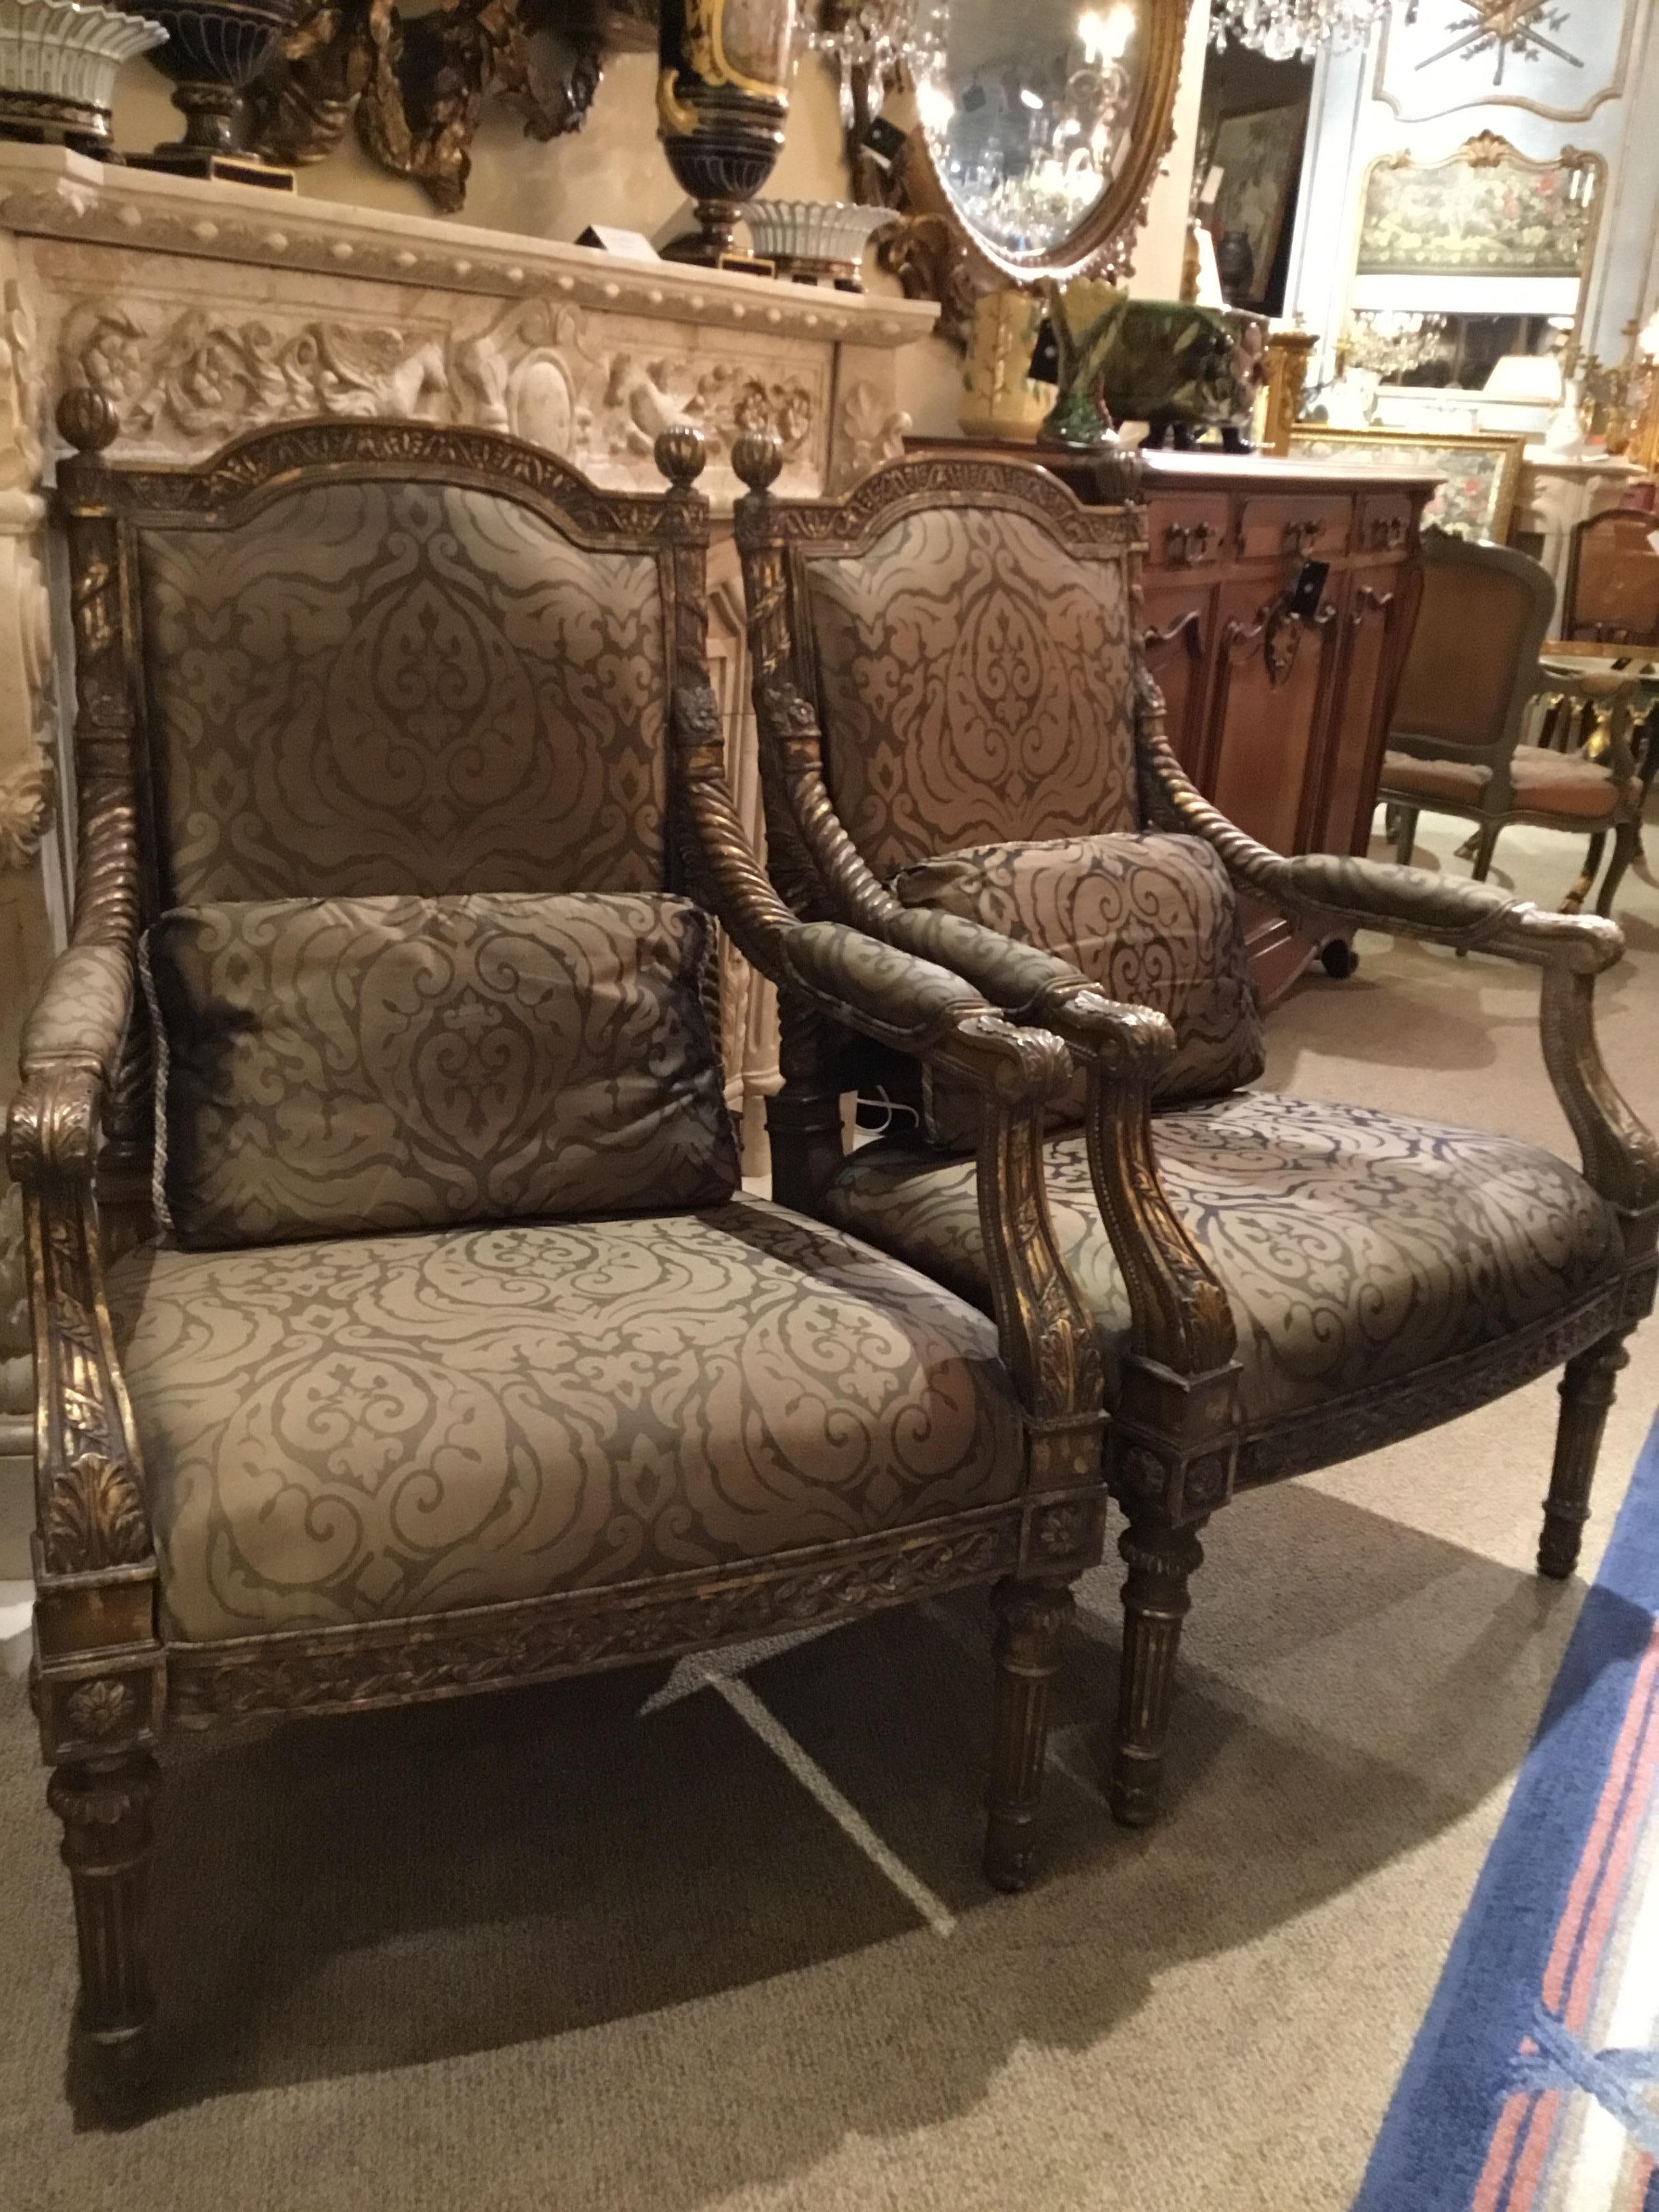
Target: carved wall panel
185 375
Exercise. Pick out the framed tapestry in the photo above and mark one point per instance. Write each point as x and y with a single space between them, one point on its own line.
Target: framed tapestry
1482 472
1485 210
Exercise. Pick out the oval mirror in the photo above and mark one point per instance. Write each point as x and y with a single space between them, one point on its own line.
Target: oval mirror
1045 125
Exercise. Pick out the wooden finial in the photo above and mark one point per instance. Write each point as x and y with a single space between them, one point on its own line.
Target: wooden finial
680 454
86 420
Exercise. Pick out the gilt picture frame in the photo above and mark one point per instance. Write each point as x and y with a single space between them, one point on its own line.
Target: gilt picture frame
1482 470
1259 152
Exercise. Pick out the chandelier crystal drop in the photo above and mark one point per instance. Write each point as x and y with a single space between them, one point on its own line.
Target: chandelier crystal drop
1286 29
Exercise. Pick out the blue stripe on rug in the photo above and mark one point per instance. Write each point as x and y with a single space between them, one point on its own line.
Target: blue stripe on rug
1440 2124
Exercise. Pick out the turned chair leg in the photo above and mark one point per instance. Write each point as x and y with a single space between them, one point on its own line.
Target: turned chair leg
1155 1600
1030 1619
1405 834
1485 845
1587 1390
106 1813
1625 839
1584 882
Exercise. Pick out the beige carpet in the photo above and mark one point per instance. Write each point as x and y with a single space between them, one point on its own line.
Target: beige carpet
555 1951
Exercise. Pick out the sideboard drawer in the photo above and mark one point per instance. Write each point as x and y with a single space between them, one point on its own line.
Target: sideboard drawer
1385 522
1294 527
1188 532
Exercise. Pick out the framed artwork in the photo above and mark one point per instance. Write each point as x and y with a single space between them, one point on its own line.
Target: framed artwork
1482 472
1485 210
1558 59
1259 153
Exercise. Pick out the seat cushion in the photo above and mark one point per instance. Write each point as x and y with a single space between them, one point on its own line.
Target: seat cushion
1148 917
332 1067
1356 1247
403 1425
1544 782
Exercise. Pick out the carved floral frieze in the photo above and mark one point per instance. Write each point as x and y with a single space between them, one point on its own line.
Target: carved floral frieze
184 378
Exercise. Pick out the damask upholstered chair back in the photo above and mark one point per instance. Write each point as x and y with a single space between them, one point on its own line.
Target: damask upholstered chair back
970 660
382 682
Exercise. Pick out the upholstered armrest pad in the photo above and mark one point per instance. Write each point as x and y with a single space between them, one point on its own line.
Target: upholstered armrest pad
917 1006
1034 986
81 1012
1455 912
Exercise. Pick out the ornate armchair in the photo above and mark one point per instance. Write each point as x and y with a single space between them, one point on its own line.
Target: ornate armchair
1470 677
957 728
441 1381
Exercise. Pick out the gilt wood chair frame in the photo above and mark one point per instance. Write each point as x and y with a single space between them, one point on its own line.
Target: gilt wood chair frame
105 1682
1177 1449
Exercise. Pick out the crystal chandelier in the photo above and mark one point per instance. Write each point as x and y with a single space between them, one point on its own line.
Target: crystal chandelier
1285 29
872 43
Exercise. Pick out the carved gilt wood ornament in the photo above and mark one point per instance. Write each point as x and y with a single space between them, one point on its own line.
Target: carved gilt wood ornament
415 86
939 251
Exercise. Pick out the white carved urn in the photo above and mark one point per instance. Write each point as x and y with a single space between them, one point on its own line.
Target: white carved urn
58 63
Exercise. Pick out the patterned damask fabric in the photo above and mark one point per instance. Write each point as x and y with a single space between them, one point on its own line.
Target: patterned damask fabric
1356 1247
375 688
1150 917
974 685
339 1066
397 1425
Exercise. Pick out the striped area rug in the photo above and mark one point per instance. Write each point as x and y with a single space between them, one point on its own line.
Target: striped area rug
1534 2083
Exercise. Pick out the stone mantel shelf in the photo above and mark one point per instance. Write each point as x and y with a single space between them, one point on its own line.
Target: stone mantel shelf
47 192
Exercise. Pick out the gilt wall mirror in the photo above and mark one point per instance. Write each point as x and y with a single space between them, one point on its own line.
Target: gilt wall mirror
1039 133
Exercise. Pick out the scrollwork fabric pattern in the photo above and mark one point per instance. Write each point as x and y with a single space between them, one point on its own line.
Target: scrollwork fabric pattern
1150 918
374 688
1357 1247
974 683
337 1066
390 1426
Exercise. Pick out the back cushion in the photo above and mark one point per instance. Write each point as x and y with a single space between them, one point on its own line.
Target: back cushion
975 684
374 688
333 1067
1151 919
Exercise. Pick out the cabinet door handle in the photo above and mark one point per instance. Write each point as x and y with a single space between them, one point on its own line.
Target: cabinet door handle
1388 536
1301 538
1187 545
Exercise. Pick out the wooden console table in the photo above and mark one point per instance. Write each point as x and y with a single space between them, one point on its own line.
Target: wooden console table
1278 718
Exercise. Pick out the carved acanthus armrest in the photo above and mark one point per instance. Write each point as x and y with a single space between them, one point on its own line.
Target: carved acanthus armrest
1324 890
90 1508
93 1553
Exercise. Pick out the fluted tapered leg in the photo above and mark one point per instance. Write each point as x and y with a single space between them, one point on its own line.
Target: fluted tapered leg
1030 1618
1587 1390
1156 1601
106 1813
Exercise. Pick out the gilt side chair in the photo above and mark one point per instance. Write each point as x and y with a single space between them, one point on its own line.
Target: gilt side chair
346 1388
957 729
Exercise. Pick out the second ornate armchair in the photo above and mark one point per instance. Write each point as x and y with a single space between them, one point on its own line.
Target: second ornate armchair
958 731
460 1359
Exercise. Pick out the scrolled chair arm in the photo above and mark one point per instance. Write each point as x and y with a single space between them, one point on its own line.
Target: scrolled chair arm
920 1007
1619 1154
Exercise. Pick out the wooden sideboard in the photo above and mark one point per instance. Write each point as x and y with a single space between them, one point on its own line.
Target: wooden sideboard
1280 719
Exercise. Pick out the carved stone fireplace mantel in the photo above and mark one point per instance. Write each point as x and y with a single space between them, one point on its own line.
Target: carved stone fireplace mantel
202 310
